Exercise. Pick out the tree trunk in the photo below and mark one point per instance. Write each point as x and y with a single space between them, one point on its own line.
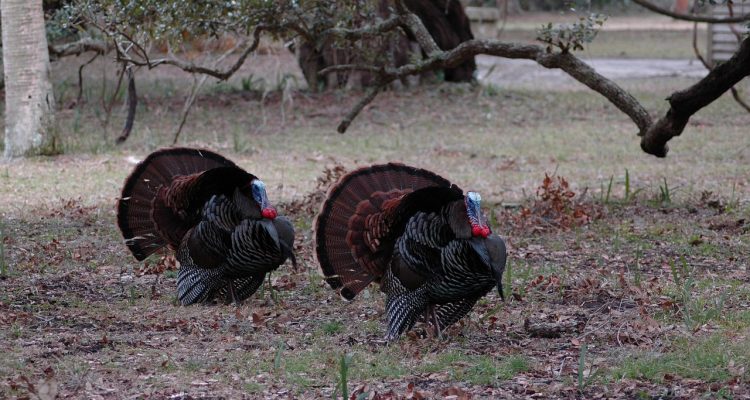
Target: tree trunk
445 20
29 101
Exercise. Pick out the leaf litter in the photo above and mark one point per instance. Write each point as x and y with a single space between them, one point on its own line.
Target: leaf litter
81 319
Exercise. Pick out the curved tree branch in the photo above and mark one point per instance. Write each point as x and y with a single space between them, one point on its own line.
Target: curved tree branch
187 66
688 17
79 47
655 136
562 60
685 103
699 56
383 26
369 97
191 67
411 21
132 104
79 98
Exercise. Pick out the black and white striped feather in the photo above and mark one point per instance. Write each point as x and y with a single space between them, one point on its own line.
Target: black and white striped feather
452 273
237 252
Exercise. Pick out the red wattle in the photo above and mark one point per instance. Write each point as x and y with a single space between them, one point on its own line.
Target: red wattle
269 213
485 231
476 230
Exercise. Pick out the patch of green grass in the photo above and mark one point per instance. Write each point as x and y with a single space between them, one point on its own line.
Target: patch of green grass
372 326
695 306
664 197
16 331
332 327
476 369
508 280
385 364
170 274
707 359
737 320
344 364
253 387
193 365
304 368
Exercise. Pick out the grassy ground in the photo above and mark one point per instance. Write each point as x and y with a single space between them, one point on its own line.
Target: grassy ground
638 36
649 298
674 44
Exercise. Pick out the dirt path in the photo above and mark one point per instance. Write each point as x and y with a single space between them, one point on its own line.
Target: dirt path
524 73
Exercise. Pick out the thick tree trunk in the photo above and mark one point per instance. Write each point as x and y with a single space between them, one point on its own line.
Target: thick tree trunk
445 21
448 24
29 101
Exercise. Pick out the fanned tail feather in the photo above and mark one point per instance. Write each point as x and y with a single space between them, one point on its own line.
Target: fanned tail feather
135 210
345 245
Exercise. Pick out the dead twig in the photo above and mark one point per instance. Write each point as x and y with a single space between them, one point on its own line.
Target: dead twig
79 97
197 84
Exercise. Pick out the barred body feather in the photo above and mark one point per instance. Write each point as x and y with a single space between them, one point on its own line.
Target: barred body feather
214 215
416 234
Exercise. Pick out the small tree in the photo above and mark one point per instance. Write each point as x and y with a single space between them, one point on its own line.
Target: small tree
29 100
131 27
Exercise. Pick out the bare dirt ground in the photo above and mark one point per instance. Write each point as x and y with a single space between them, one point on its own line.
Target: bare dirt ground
525 73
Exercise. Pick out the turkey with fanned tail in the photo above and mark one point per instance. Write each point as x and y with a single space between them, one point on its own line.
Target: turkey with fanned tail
214 215
426 243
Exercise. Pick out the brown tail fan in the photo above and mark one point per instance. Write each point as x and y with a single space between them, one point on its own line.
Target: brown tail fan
353 222
135 209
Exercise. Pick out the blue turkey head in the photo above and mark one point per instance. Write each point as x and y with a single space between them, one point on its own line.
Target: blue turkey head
479 227
259 195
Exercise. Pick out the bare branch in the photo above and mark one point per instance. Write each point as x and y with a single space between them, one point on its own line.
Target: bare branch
80 77
197 84
685 103
189 101
565 61
109 106
383 26
79 47
688 17
187 66
350 67
735 93
369 97
412 22
579 70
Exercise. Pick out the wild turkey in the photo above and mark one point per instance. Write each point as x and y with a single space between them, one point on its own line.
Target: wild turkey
416 234
213 214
